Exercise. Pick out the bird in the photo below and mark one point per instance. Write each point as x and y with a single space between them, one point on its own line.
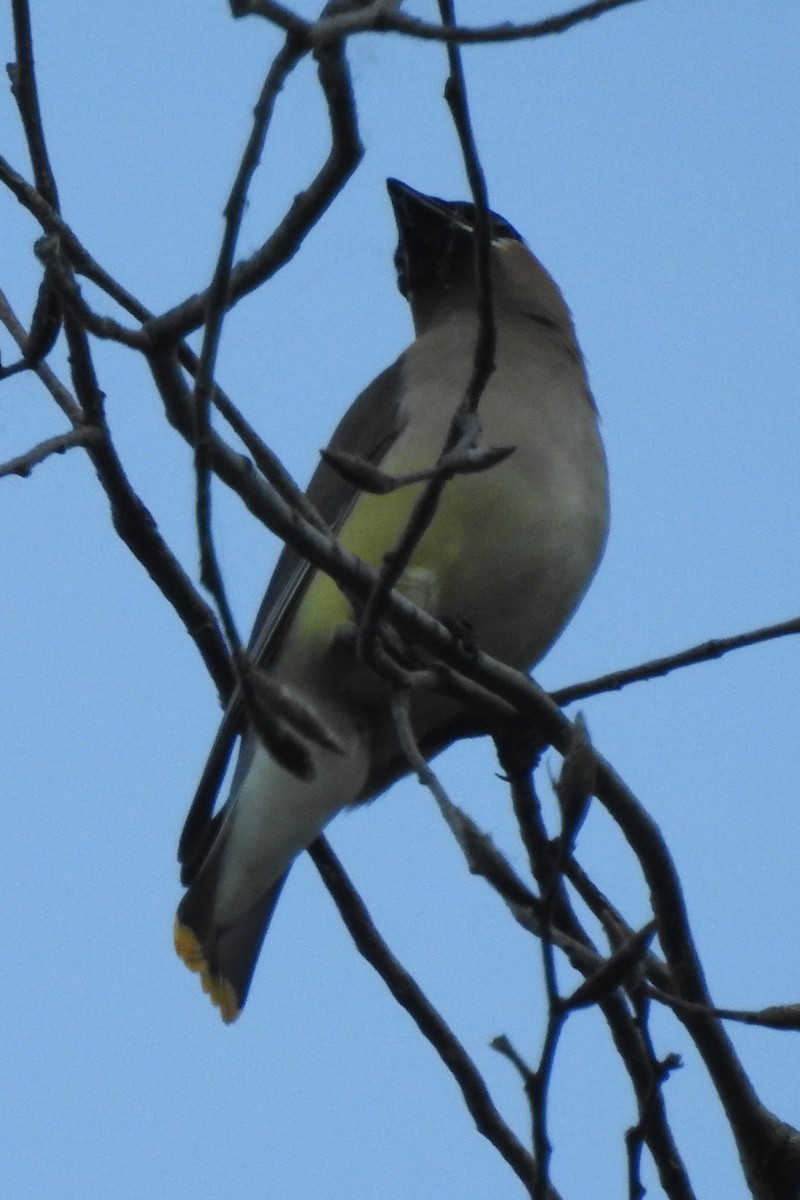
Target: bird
506 559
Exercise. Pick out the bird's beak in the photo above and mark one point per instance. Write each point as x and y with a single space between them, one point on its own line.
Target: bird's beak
414 211
434 234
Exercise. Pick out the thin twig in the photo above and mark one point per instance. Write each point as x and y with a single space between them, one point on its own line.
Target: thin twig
409 995
265 459
504 1046
549 880
776 1016
277 14
285 61
219 300
133 521
486 341
386 21
136 525
636 1136
480 853
617 929
23 464
615 972
539 1086
464 428
23 86
83 263
58 391
304 212
80 258
369 478
658 667
629 1038
60 275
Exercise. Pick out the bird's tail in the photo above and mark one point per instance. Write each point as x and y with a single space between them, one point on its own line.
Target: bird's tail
224 957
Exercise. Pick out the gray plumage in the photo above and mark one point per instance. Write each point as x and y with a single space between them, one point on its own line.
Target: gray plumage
510 551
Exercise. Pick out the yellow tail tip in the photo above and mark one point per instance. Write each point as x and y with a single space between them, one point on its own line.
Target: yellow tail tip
218 989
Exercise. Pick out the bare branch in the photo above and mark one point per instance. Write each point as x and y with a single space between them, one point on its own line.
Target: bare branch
281 703
408 994
60 279
23 464
265 459
371 479
539 1086
23 87
615 971
481 855
82 262
455 92
278 14
306 208
211 576
658 667
79 257
380 19
61 394
635 1137
46 319
130 517
776 1016
462 436
136 525
503 1045
628 1034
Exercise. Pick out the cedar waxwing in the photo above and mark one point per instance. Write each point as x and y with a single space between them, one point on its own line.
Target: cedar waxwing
508 555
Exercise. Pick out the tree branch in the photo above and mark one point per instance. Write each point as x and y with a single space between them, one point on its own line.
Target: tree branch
23 464
409 996
306 208
658 667
285 61
381 19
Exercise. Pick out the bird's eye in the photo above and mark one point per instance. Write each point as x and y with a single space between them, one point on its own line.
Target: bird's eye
502 229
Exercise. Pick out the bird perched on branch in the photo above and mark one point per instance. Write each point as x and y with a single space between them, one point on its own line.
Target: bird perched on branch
506 557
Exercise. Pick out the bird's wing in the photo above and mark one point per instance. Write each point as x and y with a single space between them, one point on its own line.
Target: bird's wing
368 429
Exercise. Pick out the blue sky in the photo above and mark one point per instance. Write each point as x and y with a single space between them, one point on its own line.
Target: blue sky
650 159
